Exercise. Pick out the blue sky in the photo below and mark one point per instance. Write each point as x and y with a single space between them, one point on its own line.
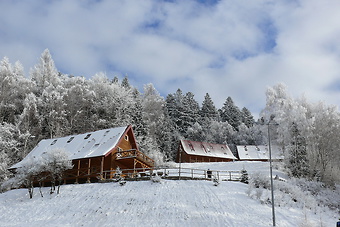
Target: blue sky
224 48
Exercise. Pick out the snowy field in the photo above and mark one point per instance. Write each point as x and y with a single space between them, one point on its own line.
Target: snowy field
144 203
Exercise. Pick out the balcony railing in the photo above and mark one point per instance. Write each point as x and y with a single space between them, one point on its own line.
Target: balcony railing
133 153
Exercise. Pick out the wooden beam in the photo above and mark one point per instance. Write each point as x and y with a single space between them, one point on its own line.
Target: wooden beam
78 171
89 171
101 167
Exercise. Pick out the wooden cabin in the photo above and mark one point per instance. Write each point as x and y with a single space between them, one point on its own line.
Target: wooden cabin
96 155
192 151
259 153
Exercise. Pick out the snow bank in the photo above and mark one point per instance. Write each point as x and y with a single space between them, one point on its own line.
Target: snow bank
144 203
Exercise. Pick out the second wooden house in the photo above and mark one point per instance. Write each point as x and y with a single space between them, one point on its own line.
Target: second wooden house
193 151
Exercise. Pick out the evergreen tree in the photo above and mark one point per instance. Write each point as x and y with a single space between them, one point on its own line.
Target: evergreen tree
126 83
247 117
190 112
208 110
244 176
297 163
230 113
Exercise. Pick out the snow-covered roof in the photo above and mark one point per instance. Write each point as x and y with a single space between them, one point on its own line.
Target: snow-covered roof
252 152
87 145
207 149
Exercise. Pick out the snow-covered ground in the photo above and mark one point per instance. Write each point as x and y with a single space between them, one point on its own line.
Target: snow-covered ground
144 203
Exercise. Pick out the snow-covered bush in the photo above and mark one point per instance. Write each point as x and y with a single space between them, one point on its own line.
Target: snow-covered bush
258 180
327 196
50 166
155 178
25 176
216 181
297 193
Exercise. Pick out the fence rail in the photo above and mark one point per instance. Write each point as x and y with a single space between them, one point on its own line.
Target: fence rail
175 173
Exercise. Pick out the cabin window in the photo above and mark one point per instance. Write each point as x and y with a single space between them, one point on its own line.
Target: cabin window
222 147
54 141
106 132
119 149
257 148
202 146
126 137
245 148
68 141
87 136
191 147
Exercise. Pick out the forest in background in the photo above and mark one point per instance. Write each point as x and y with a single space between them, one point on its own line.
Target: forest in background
50 104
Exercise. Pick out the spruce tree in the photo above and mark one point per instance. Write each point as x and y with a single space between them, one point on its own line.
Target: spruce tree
297 162
208 109
231 113
247 117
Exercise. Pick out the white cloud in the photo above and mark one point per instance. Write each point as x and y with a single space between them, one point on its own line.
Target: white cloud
231 48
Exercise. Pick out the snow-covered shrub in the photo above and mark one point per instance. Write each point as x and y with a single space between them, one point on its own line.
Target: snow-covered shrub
244 176
216 181
297 193
155 178
327 196
258 180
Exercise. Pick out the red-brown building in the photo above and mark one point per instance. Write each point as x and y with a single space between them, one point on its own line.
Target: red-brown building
192 151
96 155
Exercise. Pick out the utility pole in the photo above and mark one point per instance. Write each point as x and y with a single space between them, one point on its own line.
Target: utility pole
271 173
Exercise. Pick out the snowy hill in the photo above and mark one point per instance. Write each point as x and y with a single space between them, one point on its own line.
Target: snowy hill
144 203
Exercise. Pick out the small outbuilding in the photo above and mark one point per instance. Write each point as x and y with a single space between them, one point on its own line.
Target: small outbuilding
193 151
95 155
258 153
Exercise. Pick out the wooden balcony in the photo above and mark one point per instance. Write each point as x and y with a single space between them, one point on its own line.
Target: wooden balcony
135 154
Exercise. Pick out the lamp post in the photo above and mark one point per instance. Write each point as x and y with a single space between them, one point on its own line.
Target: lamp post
271 172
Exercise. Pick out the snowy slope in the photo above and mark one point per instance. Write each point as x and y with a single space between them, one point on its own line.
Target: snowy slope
169 203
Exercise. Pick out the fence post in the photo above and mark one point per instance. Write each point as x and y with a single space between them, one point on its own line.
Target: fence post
230 175
192 174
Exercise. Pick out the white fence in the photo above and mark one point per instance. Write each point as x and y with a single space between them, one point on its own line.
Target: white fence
176 173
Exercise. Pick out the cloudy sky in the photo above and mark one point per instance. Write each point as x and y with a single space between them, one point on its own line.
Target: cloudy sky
225 48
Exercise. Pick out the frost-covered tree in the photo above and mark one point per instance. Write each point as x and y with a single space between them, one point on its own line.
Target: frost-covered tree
196 132
13 88
55 162
153 116
8 148
79 100
220 132
45 73
25 176
302 128
244 135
